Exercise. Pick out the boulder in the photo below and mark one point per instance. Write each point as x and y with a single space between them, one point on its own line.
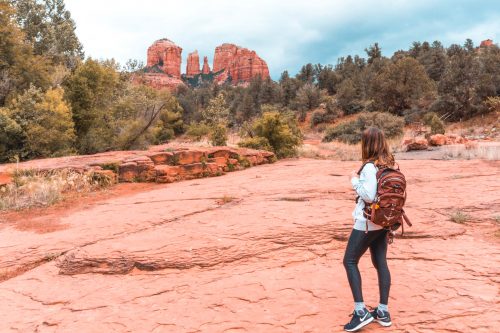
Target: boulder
189 157
167 173
437 140
417 144
162 158
138 169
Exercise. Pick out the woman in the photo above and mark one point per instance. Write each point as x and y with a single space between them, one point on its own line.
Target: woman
367 235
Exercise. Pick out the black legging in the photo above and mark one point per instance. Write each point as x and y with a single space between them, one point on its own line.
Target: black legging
358 243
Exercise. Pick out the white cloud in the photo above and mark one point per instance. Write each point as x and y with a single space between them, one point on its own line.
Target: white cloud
284 33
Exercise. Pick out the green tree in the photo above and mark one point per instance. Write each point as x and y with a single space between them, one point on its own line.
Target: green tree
373 52
308 98
328 79
92 90
19 68
288 89
218 135
217 110
46 121
144 116
458 86
49 28
307 74
400 85
349 96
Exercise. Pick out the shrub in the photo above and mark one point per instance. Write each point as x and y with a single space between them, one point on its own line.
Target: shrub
281 132
350 132
218 135
317 117
459 217
434 122
197 131
258 143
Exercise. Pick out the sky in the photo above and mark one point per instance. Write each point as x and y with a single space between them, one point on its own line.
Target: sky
286 33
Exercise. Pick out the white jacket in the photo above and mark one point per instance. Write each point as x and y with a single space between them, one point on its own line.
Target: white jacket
366 187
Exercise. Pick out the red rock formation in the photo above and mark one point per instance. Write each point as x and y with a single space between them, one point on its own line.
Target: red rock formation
193 64
486 43
224 54
167 56
238 63
206 67
231 62
158 80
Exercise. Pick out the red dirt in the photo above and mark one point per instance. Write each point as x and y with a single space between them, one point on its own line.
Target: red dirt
255 251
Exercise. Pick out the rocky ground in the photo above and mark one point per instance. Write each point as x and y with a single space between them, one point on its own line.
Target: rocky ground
258 250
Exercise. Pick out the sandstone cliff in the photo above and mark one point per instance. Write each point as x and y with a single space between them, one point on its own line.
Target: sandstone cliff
238 64
167 56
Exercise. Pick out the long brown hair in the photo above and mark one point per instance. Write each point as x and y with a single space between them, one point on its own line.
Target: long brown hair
374 148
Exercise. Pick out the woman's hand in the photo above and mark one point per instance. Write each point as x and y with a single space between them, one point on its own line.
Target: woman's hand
354 174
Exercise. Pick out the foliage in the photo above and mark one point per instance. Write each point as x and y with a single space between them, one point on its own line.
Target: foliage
19 67
281 132
216 111
198 130
218 135
46 123
350 132
432 120
49 28
308 97
11 137
400 85
258 142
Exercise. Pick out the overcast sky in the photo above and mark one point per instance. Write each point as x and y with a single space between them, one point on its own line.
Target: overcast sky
287 33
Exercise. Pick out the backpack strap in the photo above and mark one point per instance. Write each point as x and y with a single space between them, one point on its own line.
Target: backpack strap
362 166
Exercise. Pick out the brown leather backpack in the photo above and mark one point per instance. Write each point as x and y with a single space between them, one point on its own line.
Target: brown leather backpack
387 208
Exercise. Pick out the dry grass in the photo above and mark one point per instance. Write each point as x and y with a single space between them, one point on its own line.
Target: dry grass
225 200
337 150
34 188
459 217
469 152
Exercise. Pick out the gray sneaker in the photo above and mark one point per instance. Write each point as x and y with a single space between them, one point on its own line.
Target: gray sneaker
382 317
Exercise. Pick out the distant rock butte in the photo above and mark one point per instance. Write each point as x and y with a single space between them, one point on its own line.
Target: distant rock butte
193 64
206 67
167 56
486 43
238 63
232 64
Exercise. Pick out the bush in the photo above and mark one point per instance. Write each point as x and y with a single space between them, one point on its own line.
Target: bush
434 122
258 143
350 132
218 135
281 132
346 132
317 117
197 131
